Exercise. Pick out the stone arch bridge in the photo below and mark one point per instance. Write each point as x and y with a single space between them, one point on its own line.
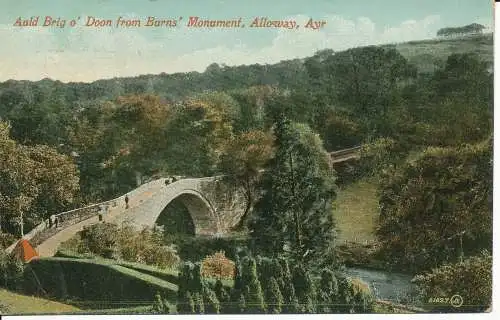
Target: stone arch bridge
214 206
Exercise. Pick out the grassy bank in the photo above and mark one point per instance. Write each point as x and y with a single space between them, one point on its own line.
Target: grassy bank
13 303
356 212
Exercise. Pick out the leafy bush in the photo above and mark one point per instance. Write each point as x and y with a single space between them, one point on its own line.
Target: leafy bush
304 289
378 155
470 279
101 239
437 206
328 291
195 294
110 241
217 266
161 305
274 298
11 272
197 248
252 290
6 239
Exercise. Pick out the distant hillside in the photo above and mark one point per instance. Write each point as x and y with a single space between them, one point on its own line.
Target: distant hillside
426 55
429 53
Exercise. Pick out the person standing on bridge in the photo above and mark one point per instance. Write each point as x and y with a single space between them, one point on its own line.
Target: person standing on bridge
126 201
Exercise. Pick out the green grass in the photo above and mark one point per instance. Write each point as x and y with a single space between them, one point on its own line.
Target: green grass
356 212
425 54
164 274
20 304
109 284
132 310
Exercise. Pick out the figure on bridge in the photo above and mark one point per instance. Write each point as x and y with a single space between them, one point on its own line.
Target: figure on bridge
126 201
170 180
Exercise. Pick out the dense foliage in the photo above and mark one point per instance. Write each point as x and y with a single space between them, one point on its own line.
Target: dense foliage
35 182
265 285
217 266
293 216
425 132
438 206
110 241
471 279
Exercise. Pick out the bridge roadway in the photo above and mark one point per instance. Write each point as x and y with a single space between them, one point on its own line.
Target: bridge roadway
145 205
144 209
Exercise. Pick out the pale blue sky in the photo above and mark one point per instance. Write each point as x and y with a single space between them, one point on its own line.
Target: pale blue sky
86 54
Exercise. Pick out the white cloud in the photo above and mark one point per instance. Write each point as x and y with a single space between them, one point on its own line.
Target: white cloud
88 54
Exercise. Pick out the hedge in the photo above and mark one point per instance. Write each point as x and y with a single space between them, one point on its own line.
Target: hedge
94 282
164 274
197 248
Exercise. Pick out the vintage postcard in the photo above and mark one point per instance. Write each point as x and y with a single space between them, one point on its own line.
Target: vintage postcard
246 157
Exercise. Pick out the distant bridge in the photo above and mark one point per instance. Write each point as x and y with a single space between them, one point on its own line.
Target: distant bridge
214 208
345 154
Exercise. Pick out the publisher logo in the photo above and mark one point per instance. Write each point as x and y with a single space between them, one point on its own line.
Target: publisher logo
456 301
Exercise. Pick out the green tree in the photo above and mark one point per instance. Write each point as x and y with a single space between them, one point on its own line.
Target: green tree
369 79
328 292
242 159
252 290
291 304
35 182
438 206
274 298
304 289
471 279
185 302
293 216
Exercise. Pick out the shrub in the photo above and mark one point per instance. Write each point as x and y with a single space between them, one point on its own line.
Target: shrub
252 290
6 239
218 266
221 294
195 295
4 259
363 300
378 155
437 207
197 248
101 239
211 302
328 291
274 298
110 241
345 298
11 272
185 302
287 289
304 289
471 279
161 306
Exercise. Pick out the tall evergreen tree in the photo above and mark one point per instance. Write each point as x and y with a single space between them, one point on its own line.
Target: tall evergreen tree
252 291
304 289
293 217
274 298
327 292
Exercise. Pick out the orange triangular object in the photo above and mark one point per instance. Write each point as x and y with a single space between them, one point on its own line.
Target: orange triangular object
24 251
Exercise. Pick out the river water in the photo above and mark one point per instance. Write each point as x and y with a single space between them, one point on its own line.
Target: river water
395 287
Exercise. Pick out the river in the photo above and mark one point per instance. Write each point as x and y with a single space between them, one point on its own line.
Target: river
395 287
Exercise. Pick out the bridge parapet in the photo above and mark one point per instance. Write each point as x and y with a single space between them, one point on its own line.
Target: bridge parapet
43 231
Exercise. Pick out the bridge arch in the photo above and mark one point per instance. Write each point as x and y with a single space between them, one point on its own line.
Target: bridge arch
201 211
